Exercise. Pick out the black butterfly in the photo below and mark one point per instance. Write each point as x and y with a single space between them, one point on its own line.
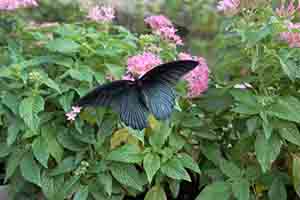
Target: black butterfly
153 92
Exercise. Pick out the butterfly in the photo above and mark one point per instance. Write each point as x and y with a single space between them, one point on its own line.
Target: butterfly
134 100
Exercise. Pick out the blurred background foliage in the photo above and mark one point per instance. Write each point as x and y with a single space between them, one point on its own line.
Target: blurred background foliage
196 20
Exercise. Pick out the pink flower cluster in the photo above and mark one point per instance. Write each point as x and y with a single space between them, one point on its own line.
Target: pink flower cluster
198 78
73 113
163 27
290 36
288 11
228 5
140 64
15 4
101 14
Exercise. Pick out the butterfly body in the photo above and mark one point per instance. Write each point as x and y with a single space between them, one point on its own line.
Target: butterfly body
152 93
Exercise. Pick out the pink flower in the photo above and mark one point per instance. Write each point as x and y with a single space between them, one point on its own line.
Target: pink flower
288 11
15 4
198 78
228 5
140 64
290 36
158 21
76 109
128 76
101 14
163 27
169 33
71 116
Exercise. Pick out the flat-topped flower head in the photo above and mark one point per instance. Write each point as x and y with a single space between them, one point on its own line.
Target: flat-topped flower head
228 6
287 11
15 4
140 64
198 78
158 21
101 14
291 36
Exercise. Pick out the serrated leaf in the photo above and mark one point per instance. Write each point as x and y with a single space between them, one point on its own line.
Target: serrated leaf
230 169
156 193
54 148
29 108
12 102
188 162
119 137
216 190
127 175
291 134
277 190
69 142
67 165
105 179
159 135
174 169
13 162
241 189
82 74
82 193
296 174
287 108
127 153
267 150
40 150
63 45
30 170
151 165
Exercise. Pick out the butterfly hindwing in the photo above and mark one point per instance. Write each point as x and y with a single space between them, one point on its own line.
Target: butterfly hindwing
132 110
158 86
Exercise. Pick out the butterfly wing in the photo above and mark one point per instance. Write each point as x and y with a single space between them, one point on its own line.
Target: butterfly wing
158 86
123 97
133 112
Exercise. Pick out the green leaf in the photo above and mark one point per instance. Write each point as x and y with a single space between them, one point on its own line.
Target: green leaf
230 169
151 165
216 190
66 101
296 174
63 45
188 162
29 108
241 189
47 185
30 170
288 66
115 70
290 133
267 126
174 169
267 150
160 135
5 150
128 153
54 148
277 190
82 74
156 193
40 150
49 82
13 162
13 130
212 152
128 175
287 108
245 97
105 179
67 165
246 109
82 193
69 142
174 186
12 102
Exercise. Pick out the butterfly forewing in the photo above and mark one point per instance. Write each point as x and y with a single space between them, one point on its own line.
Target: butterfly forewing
158 86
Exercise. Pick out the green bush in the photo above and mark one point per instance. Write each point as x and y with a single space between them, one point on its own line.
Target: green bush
243 133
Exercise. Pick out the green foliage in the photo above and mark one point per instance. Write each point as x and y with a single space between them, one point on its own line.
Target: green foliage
245 141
